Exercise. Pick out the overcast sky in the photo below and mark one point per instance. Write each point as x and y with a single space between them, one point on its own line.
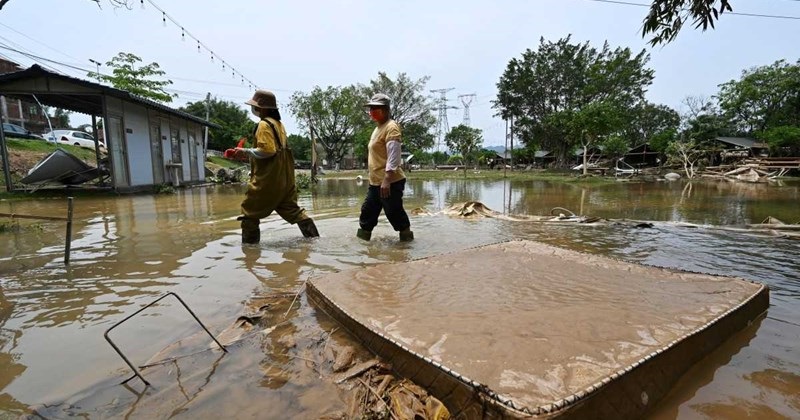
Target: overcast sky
288 46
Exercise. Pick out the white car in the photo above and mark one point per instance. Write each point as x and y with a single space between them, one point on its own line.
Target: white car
73 137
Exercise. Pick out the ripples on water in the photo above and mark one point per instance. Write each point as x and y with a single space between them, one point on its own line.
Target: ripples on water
129 250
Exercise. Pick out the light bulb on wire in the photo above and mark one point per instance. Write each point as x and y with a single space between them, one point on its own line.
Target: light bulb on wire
164 18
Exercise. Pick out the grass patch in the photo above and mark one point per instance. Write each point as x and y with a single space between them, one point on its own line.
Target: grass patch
225 163
47 147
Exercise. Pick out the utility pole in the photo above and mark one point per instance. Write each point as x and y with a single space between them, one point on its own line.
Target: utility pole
6 165
511 134
442 127
205 133
313 149
97 64
505 152
466 100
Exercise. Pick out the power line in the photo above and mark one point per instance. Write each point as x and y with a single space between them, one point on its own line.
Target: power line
39 42
759 15
39 59
23 53
43 61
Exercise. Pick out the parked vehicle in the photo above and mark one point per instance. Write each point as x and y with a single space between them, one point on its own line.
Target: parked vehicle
13 130
73 137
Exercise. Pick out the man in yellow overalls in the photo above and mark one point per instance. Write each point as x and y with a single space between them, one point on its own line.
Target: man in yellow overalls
272 184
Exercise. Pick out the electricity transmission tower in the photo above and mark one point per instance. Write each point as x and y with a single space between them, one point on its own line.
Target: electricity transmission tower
442 127
466 100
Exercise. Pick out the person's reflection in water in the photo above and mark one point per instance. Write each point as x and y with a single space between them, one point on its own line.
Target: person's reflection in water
287 276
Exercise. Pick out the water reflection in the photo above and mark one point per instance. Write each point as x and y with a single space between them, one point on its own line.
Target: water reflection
128 250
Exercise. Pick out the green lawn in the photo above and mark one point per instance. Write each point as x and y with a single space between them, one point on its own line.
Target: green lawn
225 163
46 147
24 153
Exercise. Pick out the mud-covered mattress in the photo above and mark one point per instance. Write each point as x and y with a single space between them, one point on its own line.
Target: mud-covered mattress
521 329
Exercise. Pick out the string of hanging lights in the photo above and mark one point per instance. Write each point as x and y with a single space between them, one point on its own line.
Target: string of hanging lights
201 46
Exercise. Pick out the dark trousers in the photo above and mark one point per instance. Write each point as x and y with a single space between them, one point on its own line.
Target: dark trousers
392 206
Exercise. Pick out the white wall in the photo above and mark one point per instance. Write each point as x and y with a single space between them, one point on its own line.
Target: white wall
197 131
115 148
187 174
137 135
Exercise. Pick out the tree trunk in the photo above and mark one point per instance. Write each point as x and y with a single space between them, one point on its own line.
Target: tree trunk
585 158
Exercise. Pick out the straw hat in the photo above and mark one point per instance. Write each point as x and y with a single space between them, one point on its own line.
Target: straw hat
263 99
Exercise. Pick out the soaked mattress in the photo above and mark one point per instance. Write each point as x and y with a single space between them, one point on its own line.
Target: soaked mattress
523 329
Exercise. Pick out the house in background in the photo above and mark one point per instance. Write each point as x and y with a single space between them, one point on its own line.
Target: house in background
22 111
148 143
642 156
543 158
593 154
740 148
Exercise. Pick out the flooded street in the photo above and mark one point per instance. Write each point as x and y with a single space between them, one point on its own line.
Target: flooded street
129 250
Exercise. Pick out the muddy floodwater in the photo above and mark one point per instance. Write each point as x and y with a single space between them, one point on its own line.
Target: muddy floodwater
129 250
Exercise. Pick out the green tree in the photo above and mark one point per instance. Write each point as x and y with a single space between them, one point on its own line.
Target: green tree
485 156
782 140
524 155
234 122
300 145
422 158
59 117
127 76
464 140
546 89
439 157
764 97
337 115
686 153
666 17
411 107
593 122
416 138
660 141
409 102
648 120
457 160
706 127
615 147
361 143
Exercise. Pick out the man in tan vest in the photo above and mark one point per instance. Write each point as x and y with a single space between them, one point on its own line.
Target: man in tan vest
272 184
386 178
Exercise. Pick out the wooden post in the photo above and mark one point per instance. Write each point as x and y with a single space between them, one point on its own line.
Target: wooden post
511 155
6 164
505 151
313 149
68 244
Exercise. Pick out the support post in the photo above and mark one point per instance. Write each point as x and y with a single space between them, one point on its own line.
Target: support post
6 164
313 149
205 132
505 152
68 244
